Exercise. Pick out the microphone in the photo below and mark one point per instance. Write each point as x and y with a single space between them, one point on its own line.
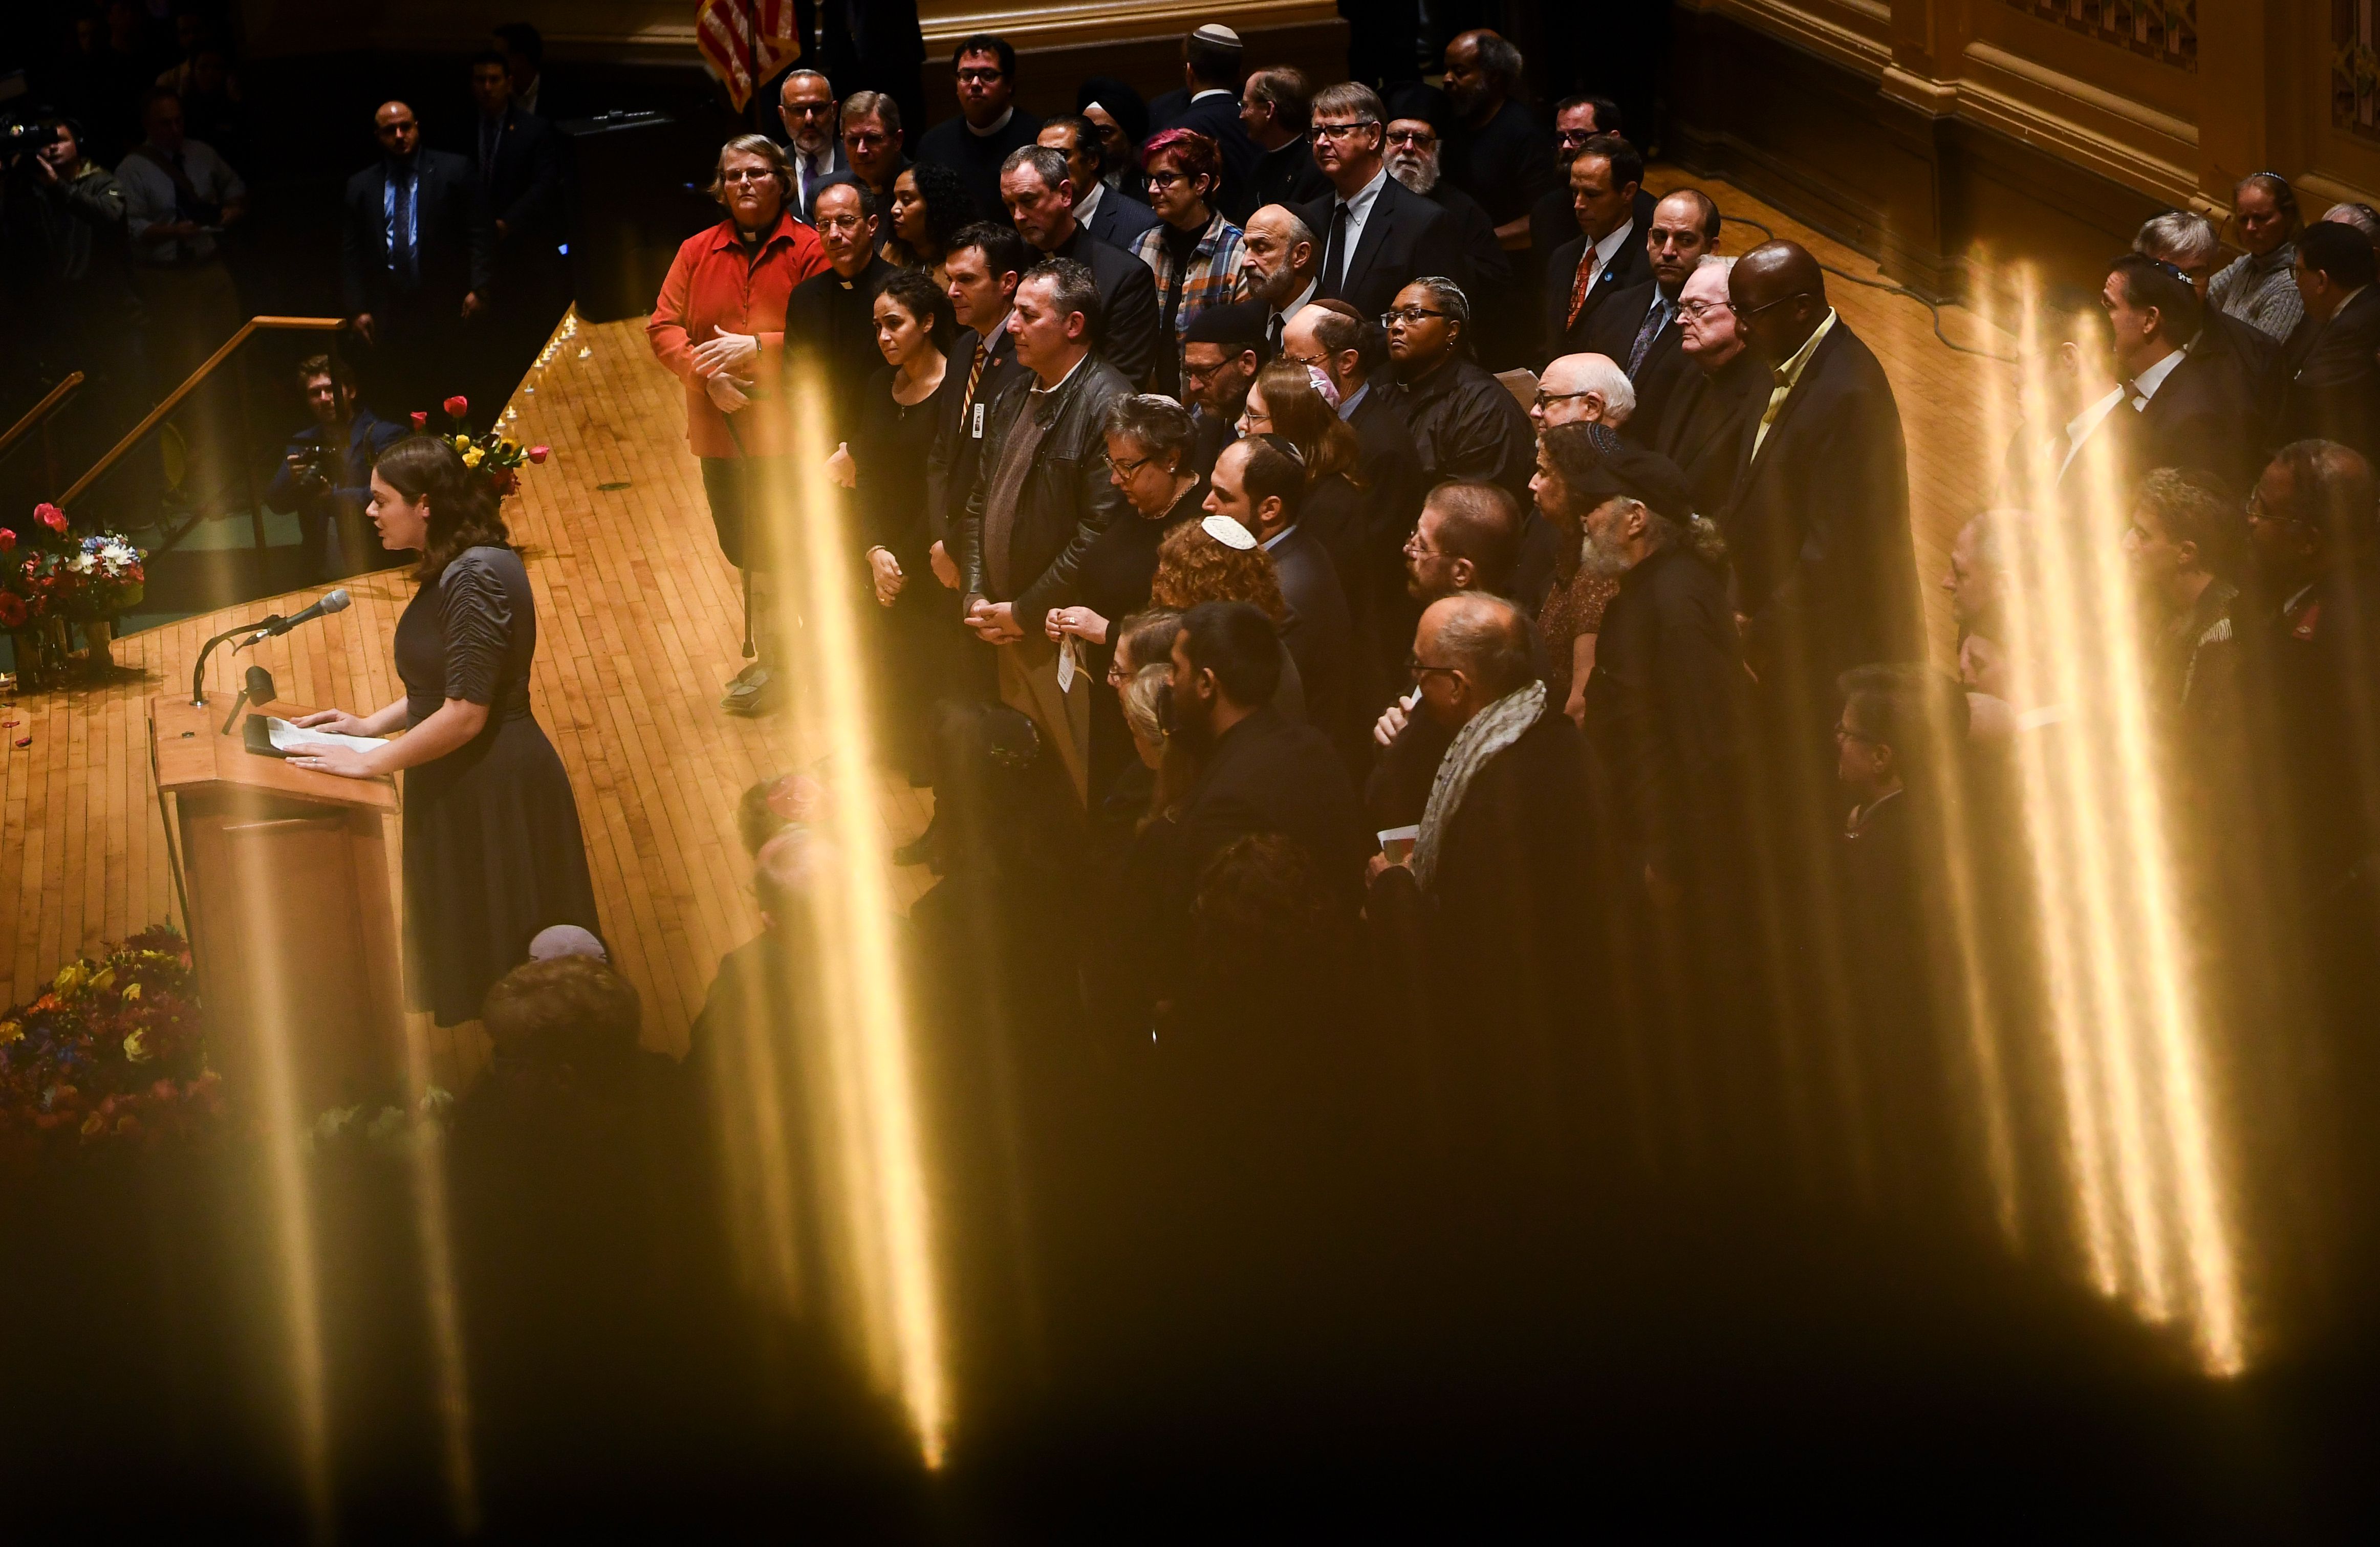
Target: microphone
267 628
276 625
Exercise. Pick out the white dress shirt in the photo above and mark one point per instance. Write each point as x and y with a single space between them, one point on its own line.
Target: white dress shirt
2144 386
1599 256
1359 209
149 201
2079 428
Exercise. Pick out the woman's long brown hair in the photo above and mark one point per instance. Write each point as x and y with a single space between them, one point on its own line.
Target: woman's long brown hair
463 511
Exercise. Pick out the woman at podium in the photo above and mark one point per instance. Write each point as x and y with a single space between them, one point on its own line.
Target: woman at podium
492 848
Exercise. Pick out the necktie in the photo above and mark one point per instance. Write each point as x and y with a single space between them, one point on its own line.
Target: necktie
406 270
489 128
1656 316
975 375
1272 334
1587 263
1334 254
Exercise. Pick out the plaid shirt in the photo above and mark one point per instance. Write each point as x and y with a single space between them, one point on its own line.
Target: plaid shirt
1213 276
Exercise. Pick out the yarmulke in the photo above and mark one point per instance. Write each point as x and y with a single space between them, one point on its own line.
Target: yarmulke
1216 33
566 939
1240 324
1228 532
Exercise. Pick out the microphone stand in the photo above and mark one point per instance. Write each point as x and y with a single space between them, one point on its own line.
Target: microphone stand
199 673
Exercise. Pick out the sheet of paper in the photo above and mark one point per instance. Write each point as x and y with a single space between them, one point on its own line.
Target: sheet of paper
293 738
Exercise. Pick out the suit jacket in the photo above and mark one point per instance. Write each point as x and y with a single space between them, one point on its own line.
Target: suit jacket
2334 376
1817 524
1629 267
2201 417
1129 321
805 188
1319 632
1611 328
1218 119
832 322
1065 503
1405 236
1267 775
1288 175
1501 325
454 245
1553 223
958 441
1120 222
524 187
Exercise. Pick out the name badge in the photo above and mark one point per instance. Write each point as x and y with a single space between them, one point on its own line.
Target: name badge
978 421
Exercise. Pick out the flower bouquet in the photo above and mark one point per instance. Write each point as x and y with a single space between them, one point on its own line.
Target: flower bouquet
35 586
110 1056
499 459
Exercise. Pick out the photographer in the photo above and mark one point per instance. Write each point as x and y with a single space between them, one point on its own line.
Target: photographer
178 197
63 241
325 476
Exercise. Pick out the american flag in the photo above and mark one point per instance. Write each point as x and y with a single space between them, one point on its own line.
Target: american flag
746 41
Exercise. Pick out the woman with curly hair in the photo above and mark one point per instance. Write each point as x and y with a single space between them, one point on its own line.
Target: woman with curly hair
929 203
493 848
1216 560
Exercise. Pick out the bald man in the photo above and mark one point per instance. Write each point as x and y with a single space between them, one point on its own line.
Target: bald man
416 257
1641 327
1817 523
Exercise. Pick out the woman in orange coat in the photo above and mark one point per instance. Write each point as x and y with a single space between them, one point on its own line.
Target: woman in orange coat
720 324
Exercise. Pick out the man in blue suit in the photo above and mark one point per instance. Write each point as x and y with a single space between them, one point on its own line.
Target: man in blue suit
416 261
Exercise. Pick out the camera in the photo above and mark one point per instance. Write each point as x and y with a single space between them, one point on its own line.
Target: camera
317 460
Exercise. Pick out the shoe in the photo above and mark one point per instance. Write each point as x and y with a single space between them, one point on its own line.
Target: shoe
750 668
920 849
756 695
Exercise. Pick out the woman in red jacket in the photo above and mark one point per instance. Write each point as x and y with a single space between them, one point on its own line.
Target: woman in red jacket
720 324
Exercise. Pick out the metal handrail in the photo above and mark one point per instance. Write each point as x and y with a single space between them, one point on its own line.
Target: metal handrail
49 405
157 415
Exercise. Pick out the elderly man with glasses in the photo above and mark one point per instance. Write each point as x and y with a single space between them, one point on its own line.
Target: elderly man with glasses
1375 233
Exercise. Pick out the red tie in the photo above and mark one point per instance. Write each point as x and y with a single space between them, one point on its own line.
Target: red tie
1579 286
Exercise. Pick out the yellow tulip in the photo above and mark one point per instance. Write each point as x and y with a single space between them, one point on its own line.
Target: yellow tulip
471 457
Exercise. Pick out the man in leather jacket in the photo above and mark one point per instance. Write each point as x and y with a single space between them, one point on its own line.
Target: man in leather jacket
1041 496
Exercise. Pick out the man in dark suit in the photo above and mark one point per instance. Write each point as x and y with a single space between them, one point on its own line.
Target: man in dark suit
1640 327
1376 234
986 262
869 46
1702 428
1275 108
1606 175
2074 446
519 158
1495 149
831 317
1501 877
416 261
1258 772
2332 355
1552 223
990 124
1113 219
1042 495
1040 198
2190 242
1258 484
807 103
2192 410
1817 524
1209 104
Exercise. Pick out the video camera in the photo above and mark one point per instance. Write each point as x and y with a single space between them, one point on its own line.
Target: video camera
25 126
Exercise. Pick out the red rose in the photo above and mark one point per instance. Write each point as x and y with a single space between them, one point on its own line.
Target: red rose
8 539
421 419
12 610
539 453
457 406
50 516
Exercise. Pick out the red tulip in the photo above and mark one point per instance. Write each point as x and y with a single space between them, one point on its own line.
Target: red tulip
8 539
457 406
50 516
421 419
539 453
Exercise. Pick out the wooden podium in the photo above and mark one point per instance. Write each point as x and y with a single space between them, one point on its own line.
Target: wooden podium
292 932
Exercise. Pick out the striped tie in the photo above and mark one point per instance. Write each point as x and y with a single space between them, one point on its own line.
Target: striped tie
975 375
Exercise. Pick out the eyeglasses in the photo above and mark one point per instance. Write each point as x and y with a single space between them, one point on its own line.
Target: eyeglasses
1413 137
1321 132
1414 665
1545 397
1314 362
1130 468
1571 140
840 222
1699 309
980 77
861 140
1406 314
810 109
1166 179
748 175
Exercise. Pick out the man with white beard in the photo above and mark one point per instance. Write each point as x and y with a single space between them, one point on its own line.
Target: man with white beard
1413 159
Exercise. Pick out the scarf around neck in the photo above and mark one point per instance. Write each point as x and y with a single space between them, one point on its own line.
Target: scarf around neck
1490 732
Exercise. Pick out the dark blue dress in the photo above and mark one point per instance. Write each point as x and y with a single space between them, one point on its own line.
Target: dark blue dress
492 848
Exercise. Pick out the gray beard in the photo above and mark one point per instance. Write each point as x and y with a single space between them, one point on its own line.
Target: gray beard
1416 171
1596 559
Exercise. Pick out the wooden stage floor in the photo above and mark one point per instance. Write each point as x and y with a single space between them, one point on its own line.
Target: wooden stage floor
638 628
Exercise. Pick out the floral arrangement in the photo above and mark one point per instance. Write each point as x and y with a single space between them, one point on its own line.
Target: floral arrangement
490 453
110 1056
47 572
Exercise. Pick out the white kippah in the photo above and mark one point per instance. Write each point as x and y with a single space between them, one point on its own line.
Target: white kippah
1228 532
1216 33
